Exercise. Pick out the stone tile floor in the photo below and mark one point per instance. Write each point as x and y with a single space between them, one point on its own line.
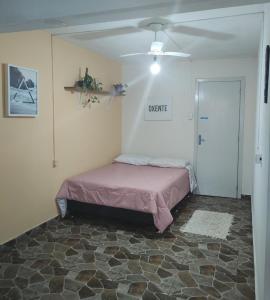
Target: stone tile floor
80 258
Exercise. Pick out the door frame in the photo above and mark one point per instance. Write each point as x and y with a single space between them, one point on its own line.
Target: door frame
241 124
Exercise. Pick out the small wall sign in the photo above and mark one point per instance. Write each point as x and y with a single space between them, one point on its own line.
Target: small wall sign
158 109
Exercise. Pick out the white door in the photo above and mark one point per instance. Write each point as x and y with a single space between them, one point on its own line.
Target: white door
218 137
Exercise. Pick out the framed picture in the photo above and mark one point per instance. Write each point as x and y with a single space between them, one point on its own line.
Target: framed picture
21 91
158 109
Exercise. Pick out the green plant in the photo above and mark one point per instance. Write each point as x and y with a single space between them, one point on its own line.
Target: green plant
87 80
89 83
90 100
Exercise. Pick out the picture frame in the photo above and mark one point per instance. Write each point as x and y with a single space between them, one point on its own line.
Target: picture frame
21 92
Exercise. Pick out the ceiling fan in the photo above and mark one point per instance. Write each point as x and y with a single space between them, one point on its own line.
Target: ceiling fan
155 25
157 46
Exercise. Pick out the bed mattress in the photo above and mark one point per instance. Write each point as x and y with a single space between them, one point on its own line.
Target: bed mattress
147 189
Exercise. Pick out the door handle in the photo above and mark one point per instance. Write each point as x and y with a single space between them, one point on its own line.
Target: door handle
200 139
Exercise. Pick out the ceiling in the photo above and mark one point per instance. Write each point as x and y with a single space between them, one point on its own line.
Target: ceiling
76 20
236 36
17 15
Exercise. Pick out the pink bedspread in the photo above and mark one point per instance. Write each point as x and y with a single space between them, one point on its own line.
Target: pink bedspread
142 188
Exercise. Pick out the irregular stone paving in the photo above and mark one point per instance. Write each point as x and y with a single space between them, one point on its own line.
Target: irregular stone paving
80 258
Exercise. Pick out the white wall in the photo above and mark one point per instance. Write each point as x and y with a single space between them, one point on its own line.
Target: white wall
177 80
260 200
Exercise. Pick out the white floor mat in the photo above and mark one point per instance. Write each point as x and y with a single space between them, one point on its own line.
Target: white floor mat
209 223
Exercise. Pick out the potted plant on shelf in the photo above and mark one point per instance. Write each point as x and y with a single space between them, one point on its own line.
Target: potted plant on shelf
86 86
120 89
89 89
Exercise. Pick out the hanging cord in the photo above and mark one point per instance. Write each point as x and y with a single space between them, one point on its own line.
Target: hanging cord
53 104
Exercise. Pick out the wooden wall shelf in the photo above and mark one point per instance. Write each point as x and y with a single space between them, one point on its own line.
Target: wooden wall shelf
73 89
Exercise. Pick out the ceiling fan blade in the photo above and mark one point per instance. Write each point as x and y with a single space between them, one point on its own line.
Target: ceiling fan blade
178 54
161 53
132 54
97 34
215 35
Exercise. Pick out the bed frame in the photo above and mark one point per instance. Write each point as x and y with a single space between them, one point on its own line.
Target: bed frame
121 215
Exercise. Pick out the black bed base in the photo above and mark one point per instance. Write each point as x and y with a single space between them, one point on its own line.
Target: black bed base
122 215
100 211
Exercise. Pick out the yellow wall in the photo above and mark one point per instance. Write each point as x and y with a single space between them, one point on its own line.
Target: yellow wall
84 138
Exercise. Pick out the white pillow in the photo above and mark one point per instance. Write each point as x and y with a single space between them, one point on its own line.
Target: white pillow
133 159
164 162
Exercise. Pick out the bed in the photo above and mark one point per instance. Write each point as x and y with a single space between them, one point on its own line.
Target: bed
143 188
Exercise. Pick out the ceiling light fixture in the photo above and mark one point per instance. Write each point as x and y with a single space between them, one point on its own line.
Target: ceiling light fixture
155 67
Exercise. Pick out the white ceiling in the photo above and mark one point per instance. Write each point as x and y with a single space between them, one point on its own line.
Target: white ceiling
236 36
17 15
240 34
